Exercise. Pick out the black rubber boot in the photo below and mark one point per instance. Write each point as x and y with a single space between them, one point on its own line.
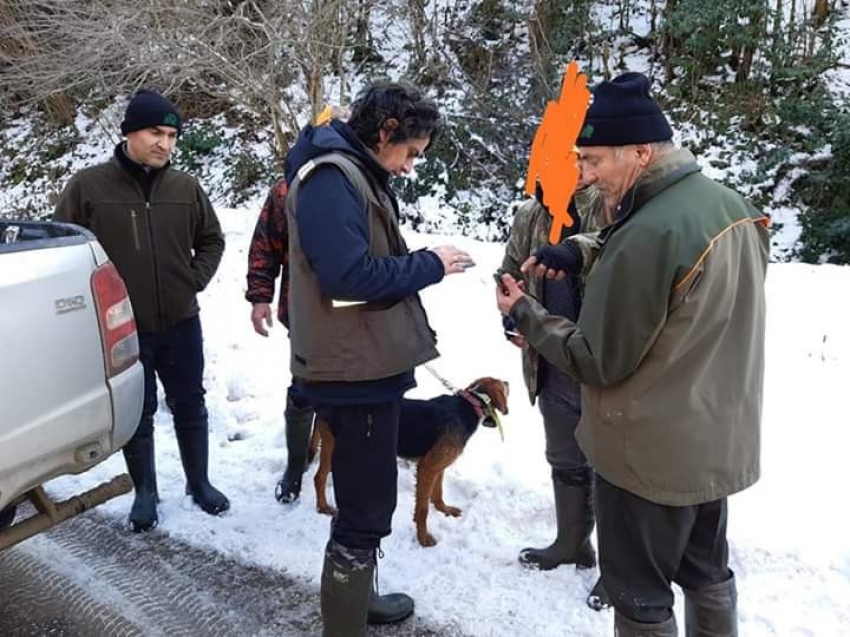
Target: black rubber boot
575 519
598 598
347 578
712 611
299 426
194 452
625 627
390 608
141 465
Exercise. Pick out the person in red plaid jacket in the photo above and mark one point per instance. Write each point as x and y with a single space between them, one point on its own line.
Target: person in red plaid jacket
267 258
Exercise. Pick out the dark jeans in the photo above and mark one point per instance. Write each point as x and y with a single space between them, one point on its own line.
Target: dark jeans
365 473
176 355
644 547
560 405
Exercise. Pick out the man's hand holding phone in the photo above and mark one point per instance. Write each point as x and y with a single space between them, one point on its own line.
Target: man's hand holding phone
508 291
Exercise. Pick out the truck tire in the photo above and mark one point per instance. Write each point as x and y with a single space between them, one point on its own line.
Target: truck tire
7 516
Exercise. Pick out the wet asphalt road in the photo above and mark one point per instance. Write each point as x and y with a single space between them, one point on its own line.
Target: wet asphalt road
89 577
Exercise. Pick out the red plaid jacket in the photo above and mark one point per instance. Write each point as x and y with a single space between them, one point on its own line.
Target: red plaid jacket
269 253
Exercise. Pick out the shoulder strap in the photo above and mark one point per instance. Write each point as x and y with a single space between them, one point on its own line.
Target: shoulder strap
353 169
362 180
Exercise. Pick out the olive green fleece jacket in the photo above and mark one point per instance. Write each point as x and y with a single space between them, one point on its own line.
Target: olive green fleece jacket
166 249
669 346
530 231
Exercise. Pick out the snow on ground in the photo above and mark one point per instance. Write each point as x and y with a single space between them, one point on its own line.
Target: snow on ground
789 535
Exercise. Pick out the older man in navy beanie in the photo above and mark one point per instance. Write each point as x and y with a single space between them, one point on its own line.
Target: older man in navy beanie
669 349
158 227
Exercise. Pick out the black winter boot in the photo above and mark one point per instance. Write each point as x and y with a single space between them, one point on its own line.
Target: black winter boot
712 611
141 465
347 579
575 518
390 608
7 516
299 426
194 452
625 627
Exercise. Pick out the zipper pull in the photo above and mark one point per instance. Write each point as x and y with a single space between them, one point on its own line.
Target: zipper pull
135 230
369 421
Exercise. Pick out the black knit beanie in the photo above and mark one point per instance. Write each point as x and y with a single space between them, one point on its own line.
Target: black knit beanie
623 112
147 109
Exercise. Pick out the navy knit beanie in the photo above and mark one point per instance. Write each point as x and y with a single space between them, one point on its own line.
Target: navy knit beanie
623 112
147 109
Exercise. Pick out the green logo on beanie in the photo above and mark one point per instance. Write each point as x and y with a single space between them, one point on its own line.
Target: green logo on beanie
587 131
170 119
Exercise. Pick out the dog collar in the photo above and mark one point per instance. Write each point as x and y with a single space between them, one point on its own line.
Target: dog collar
487 414
476 400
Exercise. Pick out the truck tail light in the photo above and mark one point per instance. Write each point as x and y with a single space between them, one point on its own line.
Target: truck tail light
115 315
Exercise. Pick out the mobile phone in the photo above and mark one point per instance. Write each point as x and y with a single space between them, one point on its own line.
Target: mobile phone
467 264
497 276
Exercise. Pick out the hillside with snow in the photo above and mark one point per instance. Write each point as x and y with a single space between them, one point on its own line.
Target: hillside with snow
757 90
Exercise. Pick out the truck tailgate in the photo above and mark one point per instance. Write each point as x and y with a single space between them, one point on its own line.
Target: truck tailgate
51 353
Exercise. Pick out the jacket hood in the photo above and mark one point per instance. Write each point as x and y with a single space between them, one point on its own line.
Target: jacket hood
337 136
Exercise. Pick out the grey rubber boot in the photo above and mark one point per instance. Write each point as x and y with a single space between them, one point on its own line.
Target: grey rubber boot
347 578
141 465
390 608
625 627
575 519
299 426
712 611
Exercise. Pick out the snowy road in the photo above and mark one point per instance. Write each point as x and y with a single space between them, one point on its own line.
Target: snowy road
90 577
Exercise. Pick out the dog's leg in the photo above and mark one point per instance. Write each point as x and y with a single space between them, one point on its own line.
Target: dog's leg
320 480
426 474
429 469
437 499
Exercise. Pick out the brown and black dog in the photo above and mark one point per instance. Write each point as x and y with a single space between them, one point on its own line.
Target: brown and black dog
432 432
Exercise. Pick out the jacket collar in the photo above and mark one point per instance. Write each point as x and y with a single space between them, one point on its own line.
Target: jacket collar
139 171
662 174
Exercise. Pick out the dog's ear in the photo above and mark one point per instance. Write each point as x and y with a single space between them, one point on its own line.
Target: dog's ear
497 390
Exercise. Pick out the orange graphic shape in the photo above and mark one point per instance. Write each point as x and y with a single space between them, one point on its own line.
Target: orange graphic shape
553 157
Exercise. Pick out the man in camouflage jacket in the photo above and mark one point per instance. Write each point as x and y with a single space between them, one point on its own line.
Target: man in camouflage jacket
558 394
268 258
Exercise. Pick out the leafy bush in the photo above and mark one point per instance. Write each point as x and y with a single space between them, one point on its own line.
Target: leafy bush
826 223
196 144
249 174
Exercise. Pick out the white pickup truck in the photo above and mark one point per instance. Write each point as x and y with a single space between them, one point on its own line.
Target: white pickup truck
71 385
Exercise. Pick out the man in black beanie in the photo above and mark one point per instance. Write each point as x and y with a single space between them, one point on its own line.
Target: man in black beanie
159 229
669 349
